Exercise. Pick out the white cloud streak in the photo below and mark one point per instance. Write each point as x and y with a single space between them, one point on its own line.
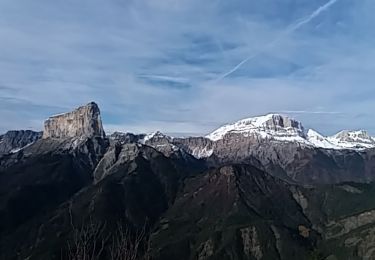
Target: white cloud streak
310 112
292 28
308 19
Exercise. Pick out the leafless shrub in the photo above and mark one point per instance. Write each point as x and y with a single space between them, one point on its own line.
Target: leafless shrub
91 241
128 245
87 243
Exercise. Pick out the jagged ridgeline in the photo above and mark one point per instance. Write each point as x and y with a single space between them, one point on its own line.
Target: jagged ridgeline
261 188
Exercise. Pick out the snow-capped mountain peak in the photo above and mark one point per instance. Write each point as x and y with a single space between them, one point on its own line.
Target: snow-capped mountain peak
359 139
360 135
319 140
268 126
154 135
276 127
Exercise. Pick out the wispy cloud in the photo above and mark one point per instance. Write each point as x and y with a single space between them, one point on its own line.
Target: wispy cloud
166 81
152 65
313 15
310 112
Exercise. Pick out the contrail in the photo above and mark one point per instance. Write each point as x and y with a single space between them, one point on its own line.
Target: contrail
290 29
311 16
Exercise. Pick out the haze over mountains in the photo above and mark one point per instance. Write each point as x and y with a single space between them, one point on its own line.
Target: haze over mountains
261 188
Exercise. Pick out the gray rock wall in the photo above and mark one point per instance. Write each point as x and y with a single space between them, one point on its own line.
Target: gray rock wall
17 139
85 121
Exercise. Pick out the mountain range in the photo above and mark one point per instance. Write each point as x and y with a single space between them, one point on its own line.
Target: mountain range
260 188
284 129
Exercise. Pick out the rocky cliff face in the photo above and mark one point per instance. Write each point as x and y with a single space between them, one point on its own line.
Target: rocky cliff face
12 141
126 138
85 121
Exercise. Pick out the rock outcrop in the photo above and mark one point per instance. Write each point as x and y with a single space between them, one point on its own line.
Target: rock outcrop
126 138
84 121
346 225
13 141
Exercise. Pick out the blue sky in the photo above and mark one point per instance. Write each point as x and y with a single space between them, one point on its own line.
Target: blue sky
173 65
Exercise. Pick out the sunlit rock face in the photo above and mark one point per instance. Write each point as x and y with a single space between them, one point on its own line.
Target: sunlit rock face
84 121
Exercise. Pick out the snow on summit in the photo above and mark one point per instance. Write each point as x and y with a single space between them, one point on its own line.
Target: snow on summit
268 126
276 127
353 139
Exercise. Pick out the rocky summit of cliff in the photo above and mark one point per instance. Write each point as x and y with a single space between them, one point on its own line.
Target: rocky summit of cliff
83 121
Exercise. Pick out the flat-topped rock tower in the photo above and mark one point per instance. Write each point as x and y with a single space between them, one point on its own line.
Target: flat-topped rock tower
85 121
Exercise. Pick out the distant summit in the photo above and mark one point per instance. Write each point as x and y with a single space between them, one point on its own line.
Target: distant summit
271 125
15 140
285 129
353 139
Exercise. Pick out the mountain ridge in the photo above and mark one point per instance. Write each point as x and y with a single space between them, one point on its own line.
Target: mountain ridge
284 128
273 126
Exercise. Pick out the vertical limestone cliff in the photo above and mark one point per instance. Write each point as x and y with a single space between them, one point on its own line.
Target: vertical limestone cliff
84 121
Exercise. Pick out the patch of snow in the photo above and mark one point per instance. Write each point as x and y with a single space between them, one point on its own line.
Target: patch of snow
202 153
156 134
295 139
16 150
172 146
318 140
148 137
